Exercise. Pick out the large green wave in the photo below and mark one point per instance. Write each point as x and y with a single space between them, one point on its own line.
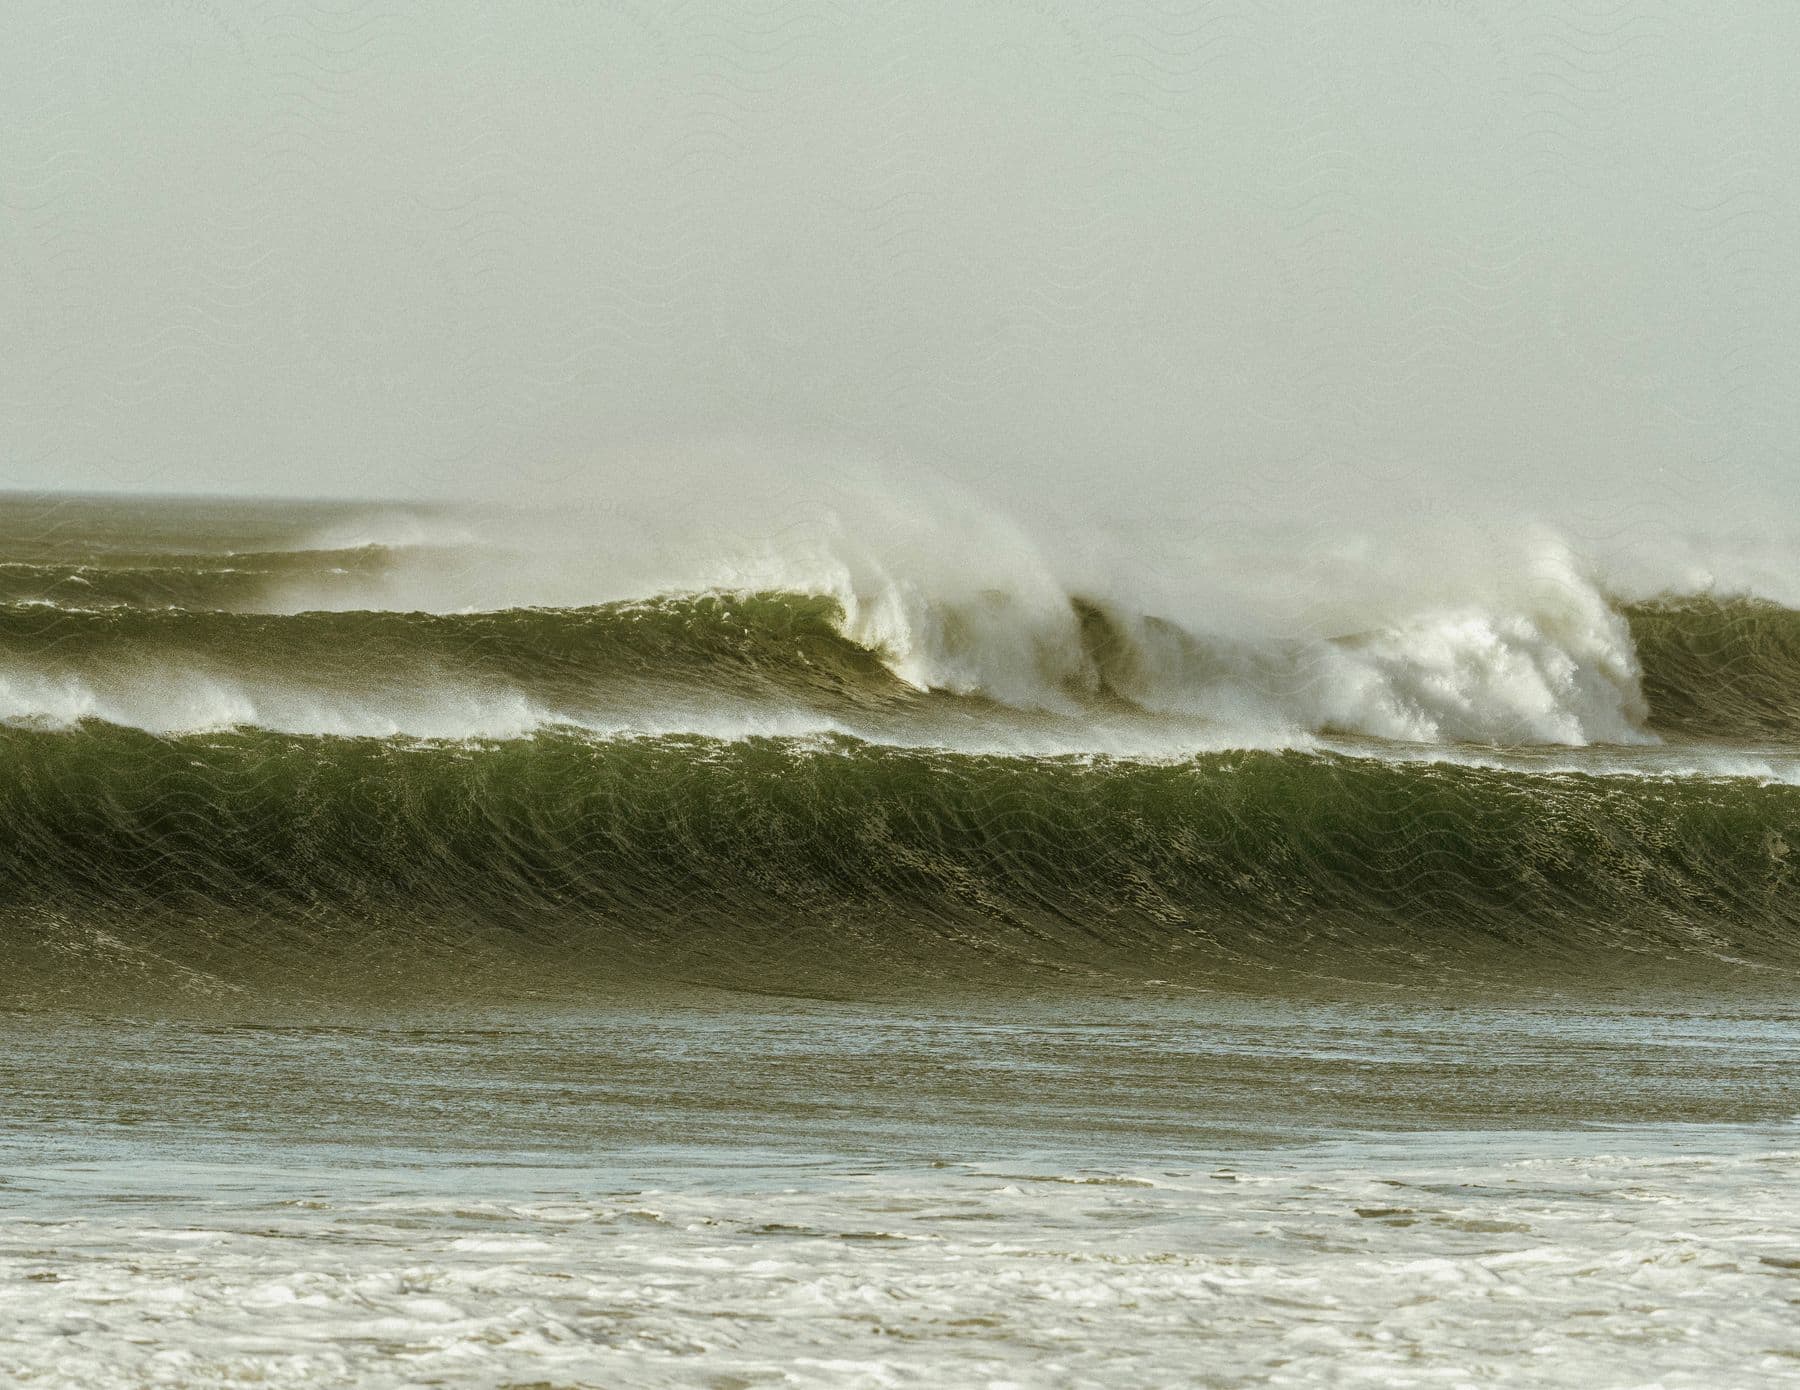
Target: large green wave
363 864
1720 669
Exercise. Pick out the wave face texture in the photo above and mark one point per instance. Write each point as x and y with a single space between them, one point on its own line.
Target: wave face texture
328 753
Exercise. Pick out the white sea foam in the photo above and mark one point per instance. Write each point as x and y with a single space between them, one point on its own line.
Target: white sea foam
178 701
1605 1261
1553 664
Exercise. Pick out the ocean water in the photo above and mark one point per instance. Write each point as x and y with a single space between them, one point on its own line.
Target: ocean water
456 949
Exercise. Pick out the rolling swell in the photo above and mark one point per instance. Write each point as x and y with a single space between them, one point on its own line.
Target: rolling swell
344 866
230 582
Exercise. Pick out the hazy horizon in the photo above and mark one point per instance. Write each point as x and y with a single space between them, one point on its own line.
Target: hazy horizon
1429 259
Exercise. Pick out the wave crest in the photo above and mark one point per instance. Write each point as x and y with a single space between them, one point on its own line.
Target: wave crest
1564 670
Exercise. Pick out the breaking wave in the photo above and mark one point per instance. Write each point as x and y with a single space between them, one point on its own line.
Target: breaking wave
1572 672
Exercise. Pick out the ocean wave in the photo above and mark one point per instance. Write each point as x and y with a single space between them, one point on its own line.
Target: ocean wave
252 854
1721 669
1567 670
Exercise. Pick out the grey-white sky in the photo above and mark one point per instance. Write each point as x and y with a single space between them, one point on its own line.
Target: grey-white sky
1374 254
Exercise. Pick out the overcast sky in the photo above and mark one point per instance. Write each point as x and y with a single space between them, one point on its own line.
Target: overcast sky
1380 254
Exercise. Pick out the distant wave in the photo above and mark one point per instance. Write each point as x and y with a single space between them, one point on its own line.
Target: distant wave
1571 672
228 580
